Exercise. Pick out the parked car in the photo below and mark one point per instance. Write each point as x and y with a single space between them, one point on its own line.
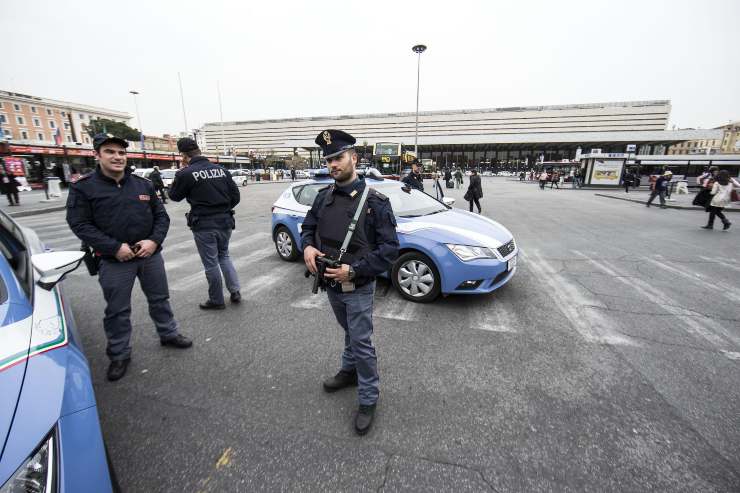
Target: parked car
168 175
240 176
445 250
48 416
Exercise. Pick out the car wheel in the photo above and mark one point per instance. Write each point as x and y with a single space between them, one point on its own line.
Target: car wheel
285 244
416 277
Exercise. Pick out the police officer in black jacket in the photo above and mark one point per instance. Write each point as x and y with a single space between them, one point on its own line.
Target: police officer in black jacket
373 249
212 194
119 215
414 179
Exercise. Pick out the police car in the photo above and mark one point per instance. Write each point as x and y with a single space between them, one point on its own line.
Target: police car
50 437
443 250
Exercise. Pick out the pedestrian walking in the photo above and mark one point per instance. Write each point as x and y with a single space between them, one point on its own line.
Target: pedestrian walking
292 173
156 179
414 178
706 182
119 216
721 197
475 191
543 179
554 177
363 252
629 178
9 185
659 189
458 178
212 194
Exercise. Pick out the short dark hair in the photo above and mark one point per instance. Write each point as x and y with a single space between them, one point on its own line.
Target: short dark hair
193 153
723 177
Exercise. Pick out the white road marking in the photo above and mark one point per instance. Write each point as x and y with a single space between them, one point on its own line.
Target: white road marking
730 264
397 308
175 263
577 307
186 282
719 287
660 298
317 301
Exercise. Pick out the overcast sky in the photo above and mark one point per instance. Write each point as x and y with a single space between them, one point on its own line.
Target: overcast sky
279 59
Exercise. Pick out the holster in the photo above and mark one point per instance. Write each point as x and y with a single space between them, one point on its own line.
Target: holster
92 261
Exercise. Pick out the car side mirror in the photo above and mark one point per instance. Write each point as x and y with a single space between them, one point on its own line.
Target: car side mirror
54 266
448 201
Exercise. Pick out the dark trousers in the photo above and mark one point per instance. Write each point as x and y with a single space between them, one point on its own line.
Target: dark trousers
117 280
477 204
213 247
716 211
627 186
162 194
656 193
354 312
12 196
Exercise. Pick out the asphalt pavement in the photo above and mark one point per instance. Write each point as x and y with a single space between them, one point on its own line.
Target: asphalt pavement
610 362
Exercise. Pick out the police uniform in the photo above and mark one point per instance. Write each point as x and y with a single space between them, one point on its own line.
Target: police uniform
212 194
414 180
372 251
105 214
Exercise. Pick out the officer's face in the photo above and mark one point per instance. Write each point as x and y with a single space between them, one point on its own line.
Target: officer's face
342 166
112 158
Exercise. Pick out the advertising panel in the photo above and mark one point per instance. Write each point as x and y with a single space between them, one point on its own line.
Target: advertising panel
607 171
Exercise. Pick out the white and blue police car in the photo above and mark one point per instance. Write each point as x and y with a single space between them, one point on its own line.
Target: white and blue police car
443 250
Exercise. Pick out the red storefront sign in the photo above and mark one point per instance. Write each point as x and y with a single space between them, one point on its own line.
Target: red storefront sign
80 152
159 157
14 166
135 155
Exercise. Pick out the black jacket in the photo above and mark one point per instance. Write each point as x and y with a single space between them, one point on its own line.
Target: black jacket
475 189
105 214
156 178
211 192
11 186
414 180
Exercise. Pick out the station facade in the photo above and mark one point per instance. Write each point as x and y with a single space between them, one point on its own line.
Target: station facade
495 136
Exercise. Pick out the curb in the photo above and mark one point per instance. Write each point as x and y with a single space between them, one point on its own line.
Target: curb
669 206
34 212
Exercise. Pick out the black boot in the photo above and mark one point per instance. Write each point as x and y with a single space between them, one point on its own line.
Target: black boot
341 380
364 419
726 226
117 369
708 226
179 342
236 297
209 305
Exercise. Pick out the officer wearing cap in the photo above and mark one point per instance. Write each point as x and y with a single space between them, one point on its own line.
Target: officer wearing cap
372 251
212 194
119 215
414 178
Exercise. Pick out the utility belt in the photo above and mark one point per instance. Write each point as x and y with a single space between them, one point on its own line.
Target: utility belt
217 219
91 259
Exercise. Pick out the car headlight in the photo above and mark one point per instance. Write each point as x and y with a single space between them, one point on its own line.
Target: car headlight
467 252
37 474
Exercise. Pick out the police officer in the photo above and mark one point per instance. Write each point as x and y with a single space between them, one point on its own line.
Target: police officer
372 250
119 215
212 194
414 179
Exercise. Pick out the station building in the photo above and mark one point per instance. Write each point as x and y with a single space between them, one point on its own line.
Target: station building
496 137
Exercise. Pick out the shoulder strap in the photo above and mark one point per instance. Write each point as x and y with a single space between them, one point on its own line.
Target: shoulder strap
353 223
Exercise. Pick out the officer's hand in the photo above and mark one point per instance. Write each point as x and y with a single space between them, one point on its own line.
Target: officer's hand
124 253
146 248
340 275
309 257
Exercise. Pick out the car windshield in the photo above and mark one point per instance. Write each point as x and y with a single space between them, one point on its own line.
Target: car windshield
411 204
168 173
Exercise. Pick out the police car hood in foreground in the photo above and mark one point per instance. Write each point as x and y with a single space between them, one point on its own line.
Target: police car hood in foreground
45 389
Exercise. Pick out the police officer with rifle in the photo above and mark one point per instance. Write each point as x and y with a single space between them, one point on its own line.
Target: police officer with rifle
349 237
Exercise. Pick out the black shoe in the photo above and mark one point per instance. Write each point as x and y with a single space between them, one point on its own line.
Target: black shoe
340 380
236 297
707 227
364 419
664 207
179 341
726 226
209 305
117 369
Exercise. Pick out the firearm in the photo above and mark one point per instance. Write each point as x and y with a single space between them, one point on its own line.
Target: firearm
318 279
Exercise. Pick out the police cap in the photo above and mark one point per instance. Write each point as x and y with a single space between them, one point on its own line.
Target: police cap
334 142
186 144
101 139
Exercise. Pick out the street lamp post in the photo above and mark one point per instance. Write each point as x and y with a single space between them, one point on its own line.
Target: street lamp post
138 117
418 49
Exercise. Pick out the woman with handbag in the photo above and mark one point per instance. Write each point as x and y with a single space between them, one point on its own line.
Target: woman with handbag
705 181
721 196
475 191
